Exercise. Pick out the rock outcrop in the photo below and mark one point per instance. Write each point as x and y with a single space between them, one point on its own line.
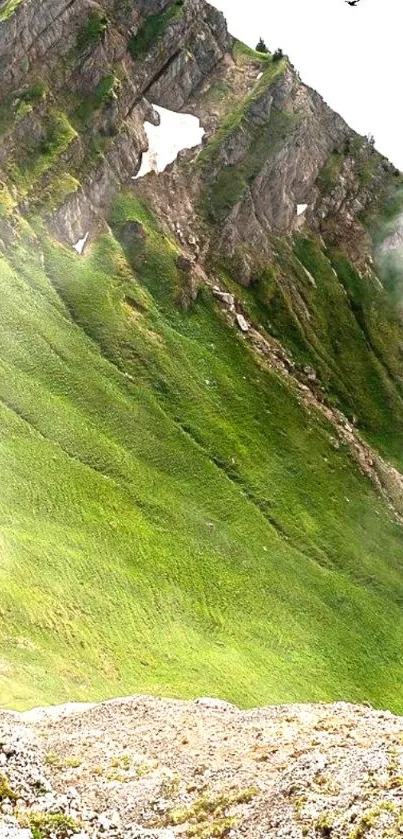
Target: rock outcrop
37 36
144 767
80 78
100 67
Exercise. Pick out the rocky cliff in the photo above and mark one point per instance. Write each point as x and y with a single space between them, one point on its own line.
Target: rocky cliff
79 79
77 82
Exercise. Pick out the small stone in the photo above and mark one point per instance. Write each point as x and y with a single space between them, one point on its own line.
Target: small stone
184 263
242 323
136 832
9 829
104 822
226 298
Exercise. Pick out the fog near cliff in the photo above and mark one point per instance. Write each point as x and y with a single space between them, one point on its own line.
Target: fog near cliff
389 258
352 56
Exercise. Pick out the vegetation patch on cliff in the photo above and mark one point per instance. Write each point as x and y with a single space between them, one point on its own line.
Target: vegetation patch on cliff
8 8
237 119
93 30
153 28
232 181
226 183
31 160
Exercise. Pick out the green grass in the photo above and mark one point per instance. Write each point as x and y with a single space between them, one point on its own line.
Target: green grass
93 30
243 53
356 331
7 201
48 826
172 520
105 91
208 816
341 323
330 173
8 8
31 161
55 193
6 792
33 92
366 160
14 106
153 28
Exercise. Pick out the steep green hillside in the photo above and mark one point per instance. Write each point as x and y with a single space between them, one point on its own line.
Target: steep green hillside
176 516
345 324
172 519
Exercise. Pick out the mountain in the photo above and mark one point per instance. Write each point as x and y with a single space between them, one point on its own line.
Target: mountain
201 413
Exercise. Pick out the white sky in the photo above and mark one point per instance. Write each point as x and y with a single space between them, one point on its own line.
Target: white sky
352 56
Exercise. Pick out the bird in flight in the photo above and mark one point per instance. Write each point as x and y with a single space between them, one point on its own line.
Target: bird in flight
352 2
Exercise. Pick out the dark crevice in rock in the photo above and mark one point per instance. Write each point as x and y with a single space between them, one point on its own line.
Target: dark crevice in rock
161 73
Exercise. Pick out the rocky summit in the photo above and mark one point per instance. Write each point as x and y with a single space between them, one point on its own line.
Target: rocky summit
145 768
201 437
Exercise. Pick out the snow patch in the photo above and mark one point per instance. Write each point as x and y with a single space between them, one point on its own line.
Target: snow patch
301 208
80 245
174 133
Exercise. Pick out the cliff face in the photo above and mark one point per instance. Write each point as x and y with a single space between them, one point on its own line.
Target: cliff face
78 79
40 37
275 157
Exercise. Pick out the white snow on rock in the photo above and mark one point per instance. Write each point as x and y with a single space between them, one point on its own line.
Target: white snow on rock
174 133
301 208
80 245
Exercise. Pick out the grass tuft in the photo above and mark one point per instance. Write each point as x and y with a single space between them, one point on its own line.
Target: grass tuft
153 28
93 30
8 8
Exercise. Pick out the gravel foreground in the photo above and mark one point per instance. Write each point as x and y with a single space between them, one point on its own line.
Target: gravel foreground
144 767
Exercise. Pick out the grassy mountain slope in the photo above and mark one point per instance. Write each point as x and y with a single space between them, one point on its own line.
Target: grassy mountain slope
173 520
314 288
342 323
